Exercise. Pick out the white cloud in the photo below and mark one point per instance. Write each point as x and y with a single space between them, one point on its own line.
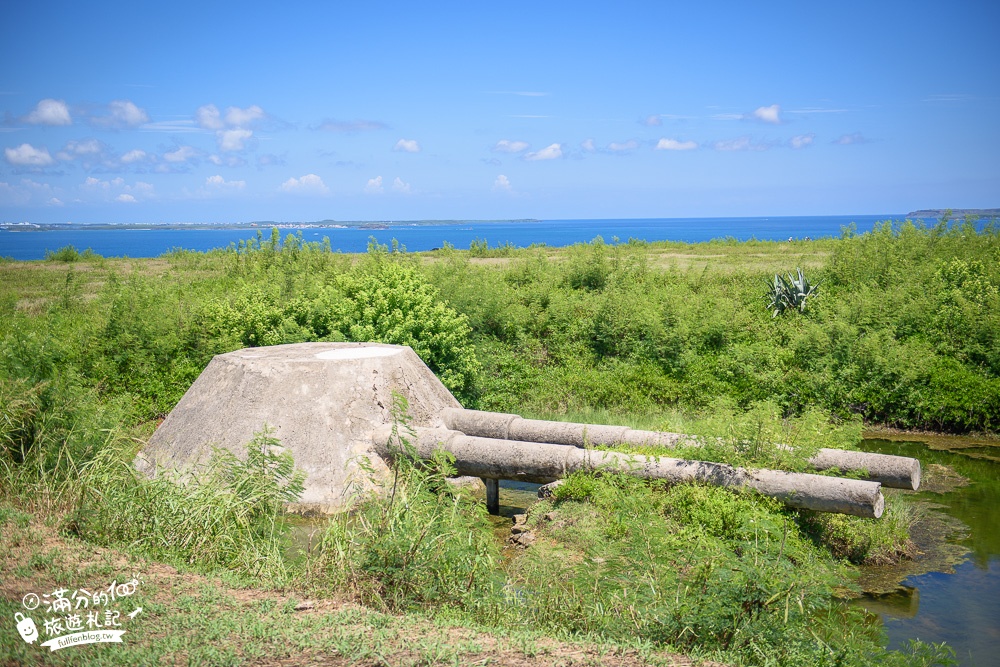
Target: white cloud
141 188
27 155
208 117
10 194
55 201
50 112
674 145
374 186
769 114
122 114
849 139
407 145
505 146
802 140
310 184
134 155
182 154
127 193
652 121
177 125
625 147
26 192
270 160
550 152
217 182
85 148
231 131
236 117
739 144
233 140
400 186
502 184
588 146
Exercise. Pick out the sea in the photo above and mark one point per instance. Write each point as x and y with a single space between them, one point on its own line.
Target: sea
22 242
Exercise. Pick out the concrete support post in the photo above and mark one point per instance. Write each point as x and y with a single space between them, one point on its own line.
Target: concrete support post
492 495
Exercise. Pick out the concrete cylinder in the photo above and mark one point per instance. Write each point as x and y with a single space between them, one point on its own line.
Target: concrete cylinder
544 462
898 472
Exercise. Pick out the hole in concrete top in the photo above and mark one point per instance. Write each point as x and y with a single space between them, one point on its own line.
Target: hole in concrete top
358 353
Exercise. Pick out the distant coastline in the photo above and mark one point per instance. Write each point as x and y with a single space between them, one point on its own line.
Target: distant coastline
955 213
251 226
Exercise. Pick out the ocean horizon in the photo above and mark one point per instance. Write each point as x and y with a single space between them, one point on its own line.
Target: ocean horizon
24 242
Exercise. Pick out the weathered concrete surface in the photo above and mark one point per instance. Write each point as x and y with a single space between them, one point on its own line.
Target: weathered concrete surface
322 399
898 472
492 458
513 427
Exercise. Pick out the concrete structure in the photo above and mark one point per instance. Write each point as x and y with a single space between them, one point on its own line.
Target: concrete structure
898 472
322 399
492 458
330 405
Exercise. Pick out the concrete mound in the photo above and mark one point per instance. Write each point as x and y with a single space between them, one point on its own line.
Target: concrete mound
322 399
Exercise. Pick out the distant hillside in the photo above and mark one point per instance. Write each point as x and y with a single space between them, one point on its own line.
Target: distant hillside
955 213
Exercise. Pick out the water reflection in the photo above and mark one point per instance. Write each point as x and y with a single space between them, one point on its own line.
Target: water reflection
960 606
901 603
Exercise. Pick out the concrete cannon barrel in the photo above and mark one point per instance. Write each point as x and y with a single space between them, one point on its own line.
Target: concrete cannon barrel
899 472
493 458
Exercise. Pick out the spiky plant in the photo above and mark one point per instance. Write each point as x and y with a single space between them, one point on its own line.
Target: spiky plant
790 293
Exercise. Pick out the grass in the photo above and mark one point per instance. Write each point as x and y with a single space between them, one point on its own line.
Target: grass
191 618
93 351
644 570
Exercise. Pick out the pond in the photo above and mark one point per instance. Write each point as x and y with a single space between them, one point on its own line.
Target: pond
951 592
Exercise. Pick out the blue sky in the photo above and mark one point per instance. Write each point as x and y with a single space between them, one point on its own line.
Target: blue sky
304 111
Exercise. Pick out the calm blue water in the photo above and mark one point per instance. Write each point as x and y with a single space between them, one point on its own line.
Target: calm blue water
960 608
154 242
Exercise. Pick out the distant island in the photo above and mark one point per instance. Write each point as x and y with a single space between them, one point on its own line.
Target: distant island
955 213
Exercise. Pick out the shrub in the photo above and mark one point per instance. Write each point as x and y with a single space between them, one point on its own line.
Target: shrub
386 301
65 254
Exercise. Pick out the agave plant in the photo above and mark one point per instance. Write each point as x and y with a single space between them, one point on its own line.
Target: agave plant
790 293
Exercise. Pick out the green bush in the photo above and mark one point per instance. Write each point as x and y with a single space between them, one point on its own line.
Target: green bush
386 301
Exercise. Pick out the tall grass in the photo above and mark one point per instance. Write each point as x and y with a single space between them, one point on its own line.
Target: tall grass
415 545
228 513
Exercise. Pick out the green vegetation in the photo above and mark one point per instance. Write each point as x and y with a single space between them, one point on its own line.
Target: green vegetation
790 293
93 351
228 514
906 334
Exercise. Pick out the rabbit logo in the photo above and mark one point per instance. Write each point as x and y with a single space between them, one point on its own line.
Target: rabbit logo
26 627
